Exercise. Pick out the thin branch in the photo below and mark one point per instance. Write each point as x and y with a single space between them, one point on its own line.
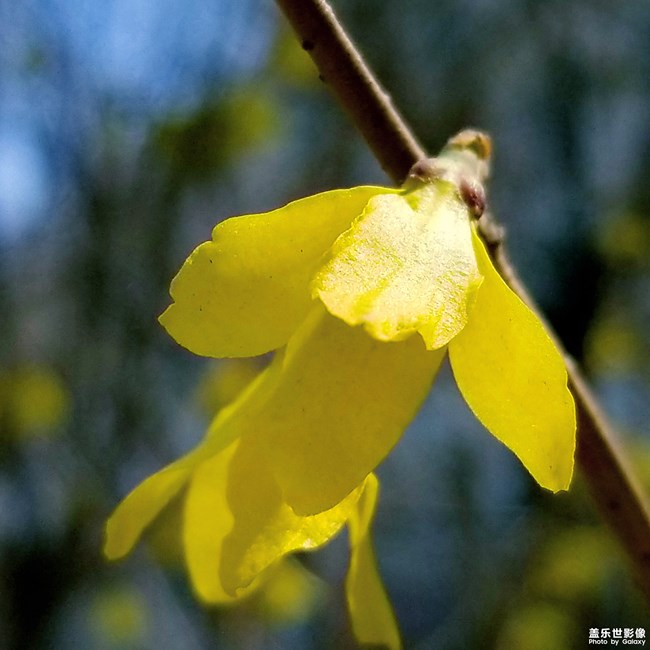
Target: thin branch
599 454
342 68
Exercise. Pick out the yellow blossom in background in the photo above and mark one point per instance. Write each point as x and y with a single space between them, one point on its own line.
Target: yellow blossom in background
120 617
223 382
33 401
539 626
290 595
361 293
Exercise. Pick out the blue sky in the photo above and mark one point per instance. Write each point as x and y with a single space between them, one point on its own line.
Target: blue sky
147 58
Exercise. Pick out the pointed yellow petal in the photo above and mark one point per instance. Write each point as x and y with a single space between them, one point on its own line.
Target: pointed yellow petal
514 379
342 401
371 614
207 521
140 507
244 292
265 527
405 265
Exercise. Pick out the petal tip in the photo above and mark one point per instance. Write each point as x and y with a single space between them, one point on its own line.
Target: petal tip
561 481
115 547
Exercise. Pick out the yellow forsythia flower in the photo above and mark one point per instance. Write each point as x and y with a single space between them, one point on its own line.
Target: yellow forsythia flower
339 284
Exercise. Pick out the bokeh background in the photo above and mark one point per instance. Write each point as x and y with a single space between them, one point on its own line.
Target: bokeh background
128 128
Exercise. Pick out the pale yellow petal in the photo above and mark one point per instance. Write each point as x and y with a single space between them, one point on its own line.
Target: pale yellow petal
244 292
265 528
514 379
342 401
328 409
405 265
371 614
207 521
141 506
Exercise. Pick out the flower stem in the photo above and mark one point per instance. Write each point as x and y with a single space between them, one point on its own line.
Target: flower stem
599 454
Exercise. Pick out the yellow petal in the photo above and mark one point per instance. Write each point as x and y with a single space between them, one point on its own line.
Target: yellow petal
405 265
141 506
342 401
207 521
371 614
244 292
319 419
514 379
265 527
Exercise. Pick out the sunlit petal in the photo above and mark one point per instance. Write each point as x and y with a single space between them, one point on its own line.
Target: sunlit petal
244 292
341 403
514 379
207 520
141 506
371 614
265 527
405 265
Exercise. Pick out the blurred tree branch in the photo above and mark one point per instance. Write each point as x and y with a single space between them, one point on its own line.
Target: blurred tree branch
599 454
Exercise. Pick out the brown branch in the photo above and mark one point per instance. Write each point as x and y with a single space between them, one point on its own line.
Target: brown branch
599 455
342 68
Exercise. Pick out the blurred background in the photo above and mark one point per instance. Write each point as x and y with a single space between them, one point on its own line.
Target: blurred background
128 128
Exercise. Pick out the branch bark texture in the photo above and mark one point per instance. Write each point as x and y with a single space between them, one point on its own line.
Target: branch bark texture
599 454
342 68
